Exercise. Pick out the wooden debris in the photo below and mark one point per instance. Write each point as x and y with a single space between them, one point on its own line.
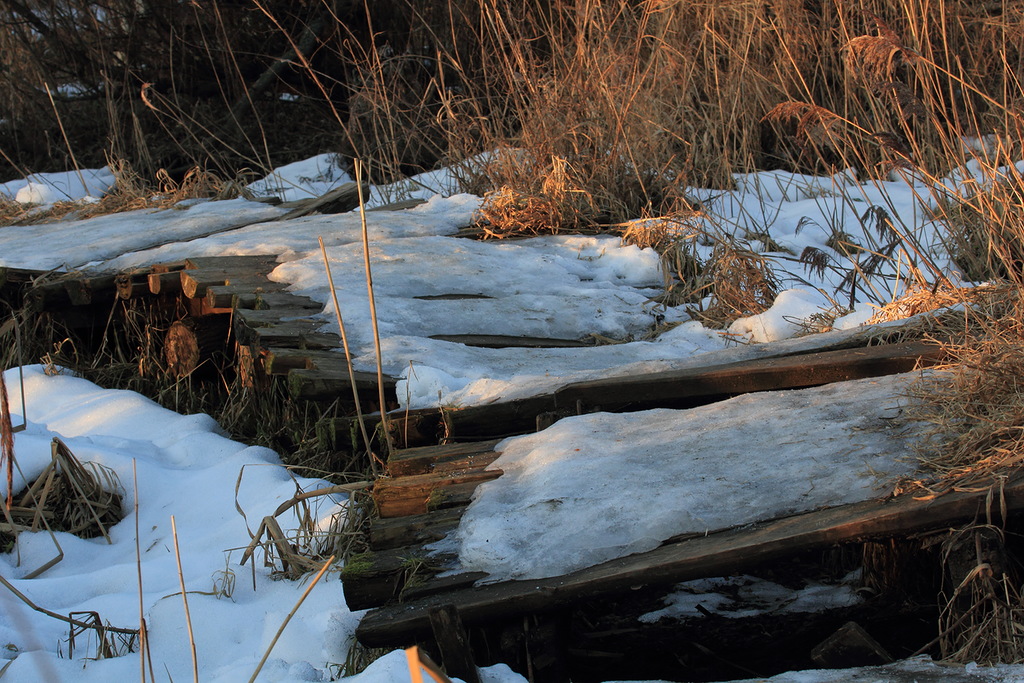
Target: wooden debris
422 493
716 554
849 647
671 389
453 642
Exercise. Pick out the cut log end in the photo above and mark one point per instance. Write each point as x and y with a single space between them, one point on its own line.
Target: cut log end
192 341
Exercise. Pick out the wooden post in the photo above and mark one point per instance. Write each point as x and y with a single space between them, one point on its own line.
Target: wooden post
453 641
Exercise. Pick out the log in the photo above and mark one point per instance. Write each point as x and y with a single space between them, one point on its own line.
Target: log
192 341
717 554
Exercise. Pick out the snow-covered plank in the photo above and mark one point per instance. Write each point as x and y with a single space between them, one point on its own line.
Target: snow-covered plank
716 554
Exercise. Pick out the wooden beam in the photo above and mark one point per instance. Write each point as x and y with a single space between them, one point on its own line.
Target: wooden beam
421 493
498 341
717 554
453 642
666 389
445 458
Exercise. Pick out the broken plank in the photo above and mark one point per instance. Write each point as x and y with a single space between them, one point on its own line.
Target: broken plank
444 458
398 532
716 554
497 341
678 388
339 200
422 493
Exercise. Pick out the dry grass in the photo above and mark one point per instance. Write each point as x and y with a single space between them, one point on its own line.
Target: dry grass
130 192
739 282
974 403
983 616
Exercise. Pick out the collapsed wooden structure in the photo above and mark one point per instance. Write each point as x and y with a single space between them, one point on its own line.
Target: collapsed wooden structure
228 305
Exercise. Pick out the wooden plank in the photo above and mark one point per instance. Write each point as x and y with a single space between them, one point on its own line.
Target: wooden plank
453 642
716 554
375 578
258 263
167 282
195 282
425 427
265 328
445 458
339 200
316 384
258 296
285 335
277 316
497 341
422 493
678 388
398 532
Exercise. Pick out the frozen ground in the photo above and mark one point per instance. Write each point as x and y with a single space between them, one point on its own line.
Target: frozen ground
828 446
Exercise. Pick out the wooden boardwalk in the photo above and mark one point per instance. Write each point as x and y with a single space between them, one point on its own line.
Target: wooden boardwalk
422 500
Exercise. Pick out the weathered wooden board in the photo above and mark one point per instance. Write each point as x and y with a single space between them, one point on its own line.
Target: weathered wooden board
317 384
421 493
674 389
371 579
258 263
497 341
717 554
412 530
339 200
663 389
258 296
196 283
164 282
441 459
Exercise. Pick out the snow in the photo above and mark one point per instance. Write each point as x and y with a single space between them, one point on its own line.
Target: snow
603 486
47 188
719 595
